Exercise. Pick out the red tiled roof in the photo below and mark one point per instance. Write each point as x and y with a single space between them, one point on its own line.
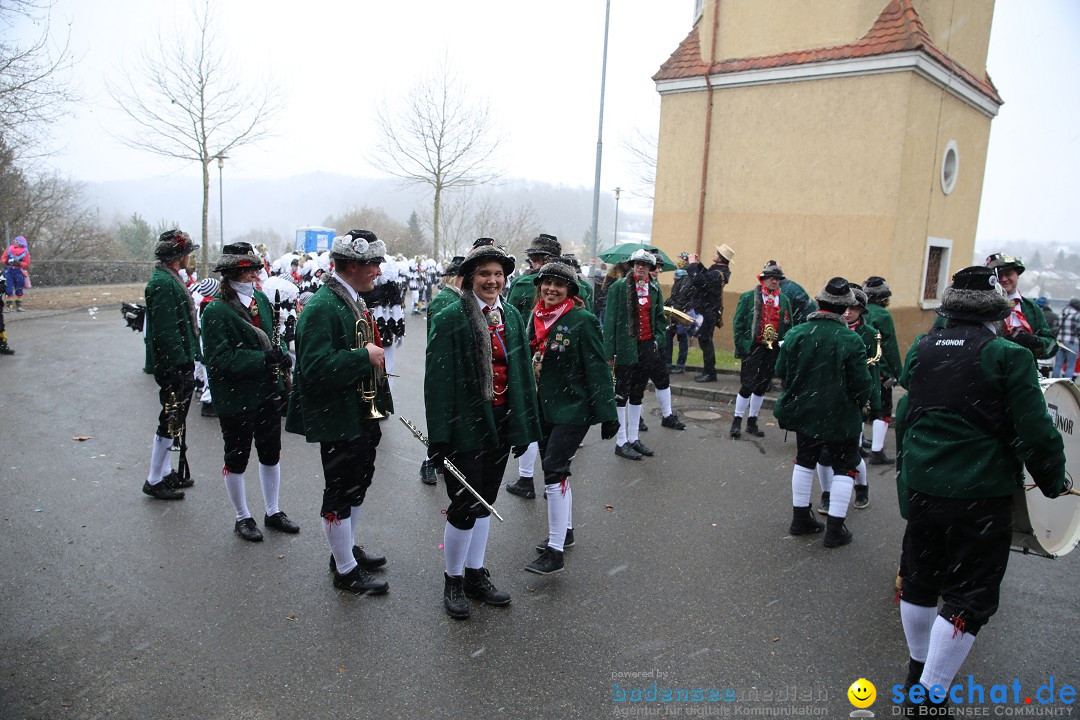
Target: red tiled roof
897 29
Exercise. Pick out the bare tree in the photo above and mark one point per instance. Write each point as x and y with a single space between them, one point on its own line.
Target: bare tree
188 103
439 137
34 85
469 215
643 150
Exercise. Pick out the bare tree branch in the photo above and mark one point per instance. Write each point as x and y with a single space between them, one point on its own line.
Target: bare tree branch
438 137
643 149
185 101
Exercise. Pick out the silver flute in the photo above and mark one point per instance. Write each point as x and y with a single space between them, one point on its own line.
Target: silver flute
451 468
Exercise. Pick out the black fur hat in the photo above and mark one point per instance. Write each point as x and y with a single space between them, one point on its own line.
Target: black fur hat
876 288
173 244
485 253
545 244
561 270
975 296
836 293
237 256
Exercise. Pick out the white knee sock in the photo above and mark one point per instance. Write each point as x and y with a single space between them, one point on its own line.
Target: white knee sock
824 477
917 621
620 438
558 506
664 398
755 404
455 547
860 479
948 650
840 495
527 462
159 458
802 482
234 484
569 507
741 404
339 537
270 478
474 559
877 441
633 417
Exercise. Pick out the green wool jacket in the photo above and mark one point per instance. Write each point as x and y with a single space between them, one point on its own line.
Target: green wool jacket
585 291
1039 327
822 365
945 455
747 321
620 334
521 293
170 335
575 386
446 297
867 332
325 404
235 361
457 415
890 364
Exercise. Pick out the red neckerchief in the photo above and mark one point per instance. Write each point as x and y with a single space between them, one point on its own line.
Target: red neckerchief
1016 318
544 319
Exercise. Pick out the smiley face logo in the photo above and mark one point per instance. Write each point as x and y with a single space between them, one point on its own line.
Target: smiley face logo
862 693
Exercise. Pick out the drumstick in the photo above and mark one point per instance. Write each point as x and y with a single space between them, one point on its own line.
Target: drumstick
1070 491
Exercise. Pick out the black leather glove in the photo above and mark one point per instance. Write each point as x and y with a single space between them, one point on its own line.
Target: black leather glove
1028 340
275 357
609 429
286 362
519 450
1064 490
437 454
889 382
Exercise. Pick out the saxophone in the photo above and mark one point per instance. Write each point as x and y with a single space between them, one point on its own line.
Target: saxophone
877 354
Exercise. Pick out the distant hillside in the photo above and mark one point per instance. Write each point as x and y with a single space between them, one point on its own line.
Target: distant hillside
288 203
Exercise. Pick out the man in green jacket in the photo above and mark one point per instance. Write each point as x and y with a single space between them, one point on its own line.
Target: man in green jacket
480 401
172 342
450 293
973 419
762 319
1026 324
634 329
339 392
822 365
246 364
544 249
888 368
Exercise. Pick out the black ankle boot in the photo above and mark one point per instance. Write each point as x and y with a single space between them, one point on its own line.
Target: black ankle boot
914 673
736 428
752 428
836 534
478 586
522 488
803 523
823 506
454 600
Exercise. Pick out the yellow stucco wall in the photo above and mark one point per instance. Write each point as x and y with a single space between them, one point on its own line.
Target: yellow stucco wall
960 29
753 28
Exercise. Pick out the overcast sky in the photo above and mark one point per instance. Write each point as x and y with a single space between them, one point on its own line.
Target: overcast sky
539 65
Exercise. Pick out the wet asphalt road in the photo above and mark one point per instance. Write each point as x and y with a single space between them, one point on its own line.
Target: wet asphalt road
116 605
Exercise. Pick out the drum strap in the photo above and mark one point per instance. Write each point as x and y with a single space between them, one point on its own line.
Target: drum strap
948 378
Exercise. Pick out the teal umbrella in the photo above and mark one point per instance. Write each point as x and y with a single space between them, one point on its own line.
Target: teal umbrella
622 253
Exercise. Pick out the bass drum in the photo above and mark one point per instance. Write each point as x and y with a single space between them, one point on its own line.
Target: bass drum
1041 525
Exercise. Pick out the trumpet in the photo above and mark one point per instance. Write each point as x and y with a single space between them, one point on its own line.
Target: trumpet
870 362
768 336
369 387
174 424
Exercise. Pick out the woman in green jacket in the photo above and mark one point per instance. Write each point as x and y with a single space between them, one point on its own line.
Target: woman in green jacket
246 366
481 402
575 391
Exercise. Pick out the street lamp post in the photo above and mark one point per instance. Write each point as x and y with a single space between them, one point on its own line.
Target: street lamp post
221 158
615 239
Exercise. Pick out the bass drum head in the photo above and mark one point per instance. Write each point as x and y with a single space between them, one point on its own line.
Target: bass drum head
1042 525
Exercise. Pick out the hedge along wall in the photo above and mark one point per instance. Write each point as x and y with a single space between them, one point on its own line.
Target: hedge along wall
63 273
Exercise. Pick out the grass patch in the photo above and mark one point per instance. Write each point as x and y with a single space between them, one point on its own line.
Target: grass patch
724 359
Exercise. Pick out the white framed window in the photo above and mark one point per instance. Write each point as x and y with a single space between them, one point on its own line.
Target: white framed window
950 167
935 276
699 7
